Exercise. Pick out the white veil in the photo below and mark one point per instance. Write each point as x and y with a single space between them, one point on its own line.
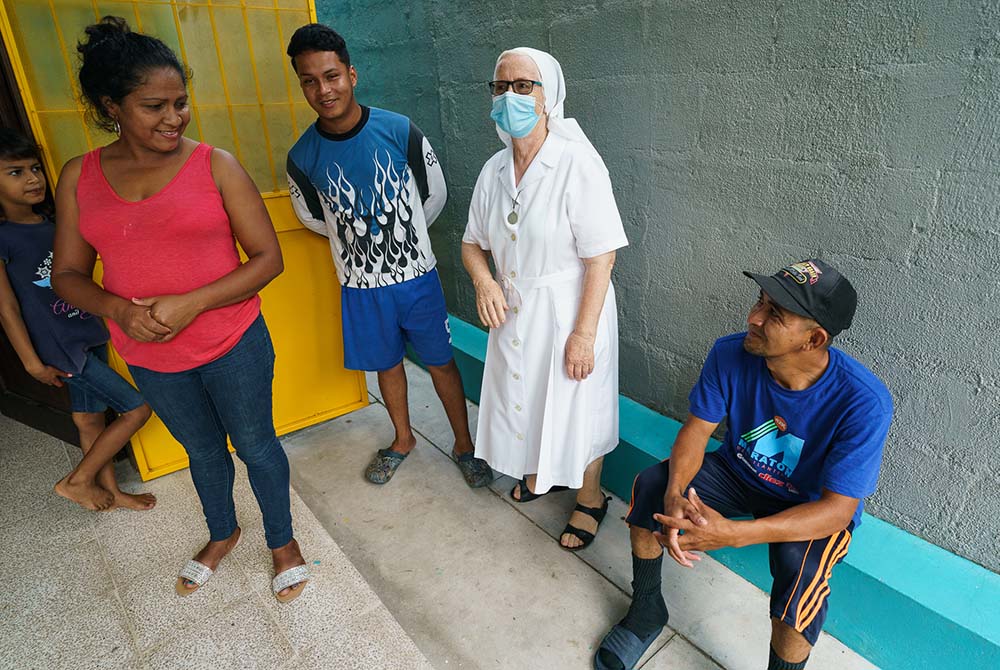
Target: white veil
554 87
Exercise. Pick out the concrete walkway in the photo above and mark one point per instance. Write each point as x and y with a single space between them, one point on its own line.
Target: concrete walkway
420 573
96 590
478 581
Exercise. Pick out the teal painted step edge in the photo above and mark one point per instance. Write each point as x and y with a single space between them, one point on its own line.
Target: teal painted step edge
896 599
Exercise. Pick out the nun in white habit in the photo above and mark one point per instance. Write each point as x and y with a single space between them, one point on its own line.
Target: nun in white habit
544 208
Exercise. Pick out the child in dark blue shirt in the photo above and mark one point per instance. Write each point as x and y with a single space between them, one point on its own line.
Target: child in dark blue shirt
56 342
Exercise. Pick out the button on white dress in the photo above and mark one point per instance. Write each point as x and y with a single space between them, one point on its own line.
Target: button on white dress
533 418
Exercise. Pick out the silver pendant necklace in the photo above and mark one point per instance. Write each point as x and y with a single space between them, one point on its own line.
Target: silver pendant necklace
512 217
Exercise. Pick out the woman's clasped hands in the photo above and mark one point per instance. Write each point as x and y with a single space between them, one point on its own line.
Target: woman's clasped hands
157 319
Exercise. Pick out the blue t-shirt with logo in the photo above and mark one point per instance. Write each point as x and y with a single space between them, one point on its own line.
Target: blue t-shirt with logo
794 444
60 333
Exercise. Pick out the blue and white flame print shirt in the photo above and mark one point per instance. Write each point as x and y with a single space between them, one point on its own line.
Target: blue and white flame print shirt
373 191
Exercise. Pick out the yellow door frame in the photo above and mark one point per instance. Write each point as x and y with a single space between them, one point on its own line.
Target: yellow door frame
21 79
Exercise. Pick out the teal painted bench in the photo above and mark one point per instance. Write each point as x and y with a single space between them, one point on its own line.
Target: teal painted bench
898 600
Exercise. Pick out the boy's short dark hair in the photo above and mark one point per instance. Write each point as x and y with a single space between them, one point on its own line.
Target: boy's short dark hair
14 145
317 37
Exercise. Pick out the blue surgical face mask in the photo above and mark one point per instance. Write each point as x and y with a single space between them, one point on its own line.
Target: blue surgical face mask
514 113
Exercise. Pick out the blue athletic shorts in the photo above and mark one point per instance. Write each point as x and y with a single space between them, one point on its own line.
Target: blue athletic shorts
98 387
801 570
378 322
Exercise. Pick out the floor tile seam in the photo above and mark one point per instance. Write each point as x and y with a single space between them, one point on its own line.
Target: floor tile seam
343 633
377 600
574 554
663 646
93 534
691 642
212 613
431 442
578 556
282 631
39 510
19 520
15 478
106 556
116 589
503 498
373 601
69 459
418 431
181 635
260 593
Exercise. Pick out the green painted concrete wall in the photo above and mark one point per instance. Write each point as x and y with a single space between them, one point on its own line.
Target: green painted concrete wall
747 134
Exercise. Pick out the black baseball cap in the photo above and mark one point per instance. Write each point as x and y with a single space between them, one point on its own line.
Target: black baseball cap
814 289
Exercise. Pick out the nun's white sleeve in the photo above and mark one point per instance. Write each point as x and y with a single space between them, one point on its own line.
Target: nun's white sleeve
477 228
593 213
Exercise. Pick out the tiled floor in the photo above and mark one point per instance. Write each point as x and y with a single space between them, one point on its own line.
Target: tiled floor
91 590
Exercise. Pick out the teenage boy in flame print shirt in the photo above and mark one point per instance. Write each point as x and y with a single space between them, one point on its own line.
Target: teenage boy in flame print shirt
369 180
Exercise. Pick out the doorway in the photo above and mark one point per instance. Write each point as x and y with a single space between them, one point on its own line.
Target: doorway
22 397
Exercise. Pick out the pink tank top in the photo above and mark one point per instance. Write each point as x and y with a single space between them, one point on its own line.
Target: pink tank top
173 242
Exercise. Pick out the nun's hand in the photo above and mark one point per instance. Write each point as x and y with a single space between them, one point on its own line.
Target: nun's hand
490 303
579 356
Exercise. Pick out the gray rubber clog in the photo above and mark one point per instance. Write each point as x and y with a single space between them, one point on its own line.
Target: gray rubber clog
384 466
476 471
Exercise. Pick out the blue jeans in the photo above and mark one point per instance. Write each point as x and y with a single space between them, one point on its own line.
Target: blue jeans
98 387
229 396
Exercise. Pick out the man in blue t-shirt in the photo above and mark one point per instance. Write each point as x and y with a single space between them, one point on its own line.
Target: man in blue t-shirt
803 447
369 180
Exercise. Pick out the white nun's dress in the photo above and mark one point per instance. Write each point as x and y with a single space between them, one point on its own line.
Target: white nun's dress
533 418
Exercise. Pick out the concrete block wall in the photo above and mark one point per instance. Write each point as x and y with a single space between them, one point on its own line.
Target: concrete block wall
745 135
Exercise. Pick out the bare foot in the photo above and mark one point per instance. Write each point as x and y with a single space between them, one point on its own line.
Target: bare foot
139 502
211 554
284 558
88 495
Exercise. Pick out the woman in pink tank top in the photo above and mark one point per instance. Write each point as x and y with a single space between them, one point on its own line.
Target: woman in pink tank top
162 211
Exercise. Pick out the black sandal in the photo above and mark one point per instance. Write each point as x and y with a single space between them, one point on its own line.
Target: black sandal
526 493
595 513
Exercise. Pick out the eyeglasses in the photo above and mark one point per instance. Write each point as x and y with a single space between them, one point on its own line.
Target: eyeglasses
520 86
